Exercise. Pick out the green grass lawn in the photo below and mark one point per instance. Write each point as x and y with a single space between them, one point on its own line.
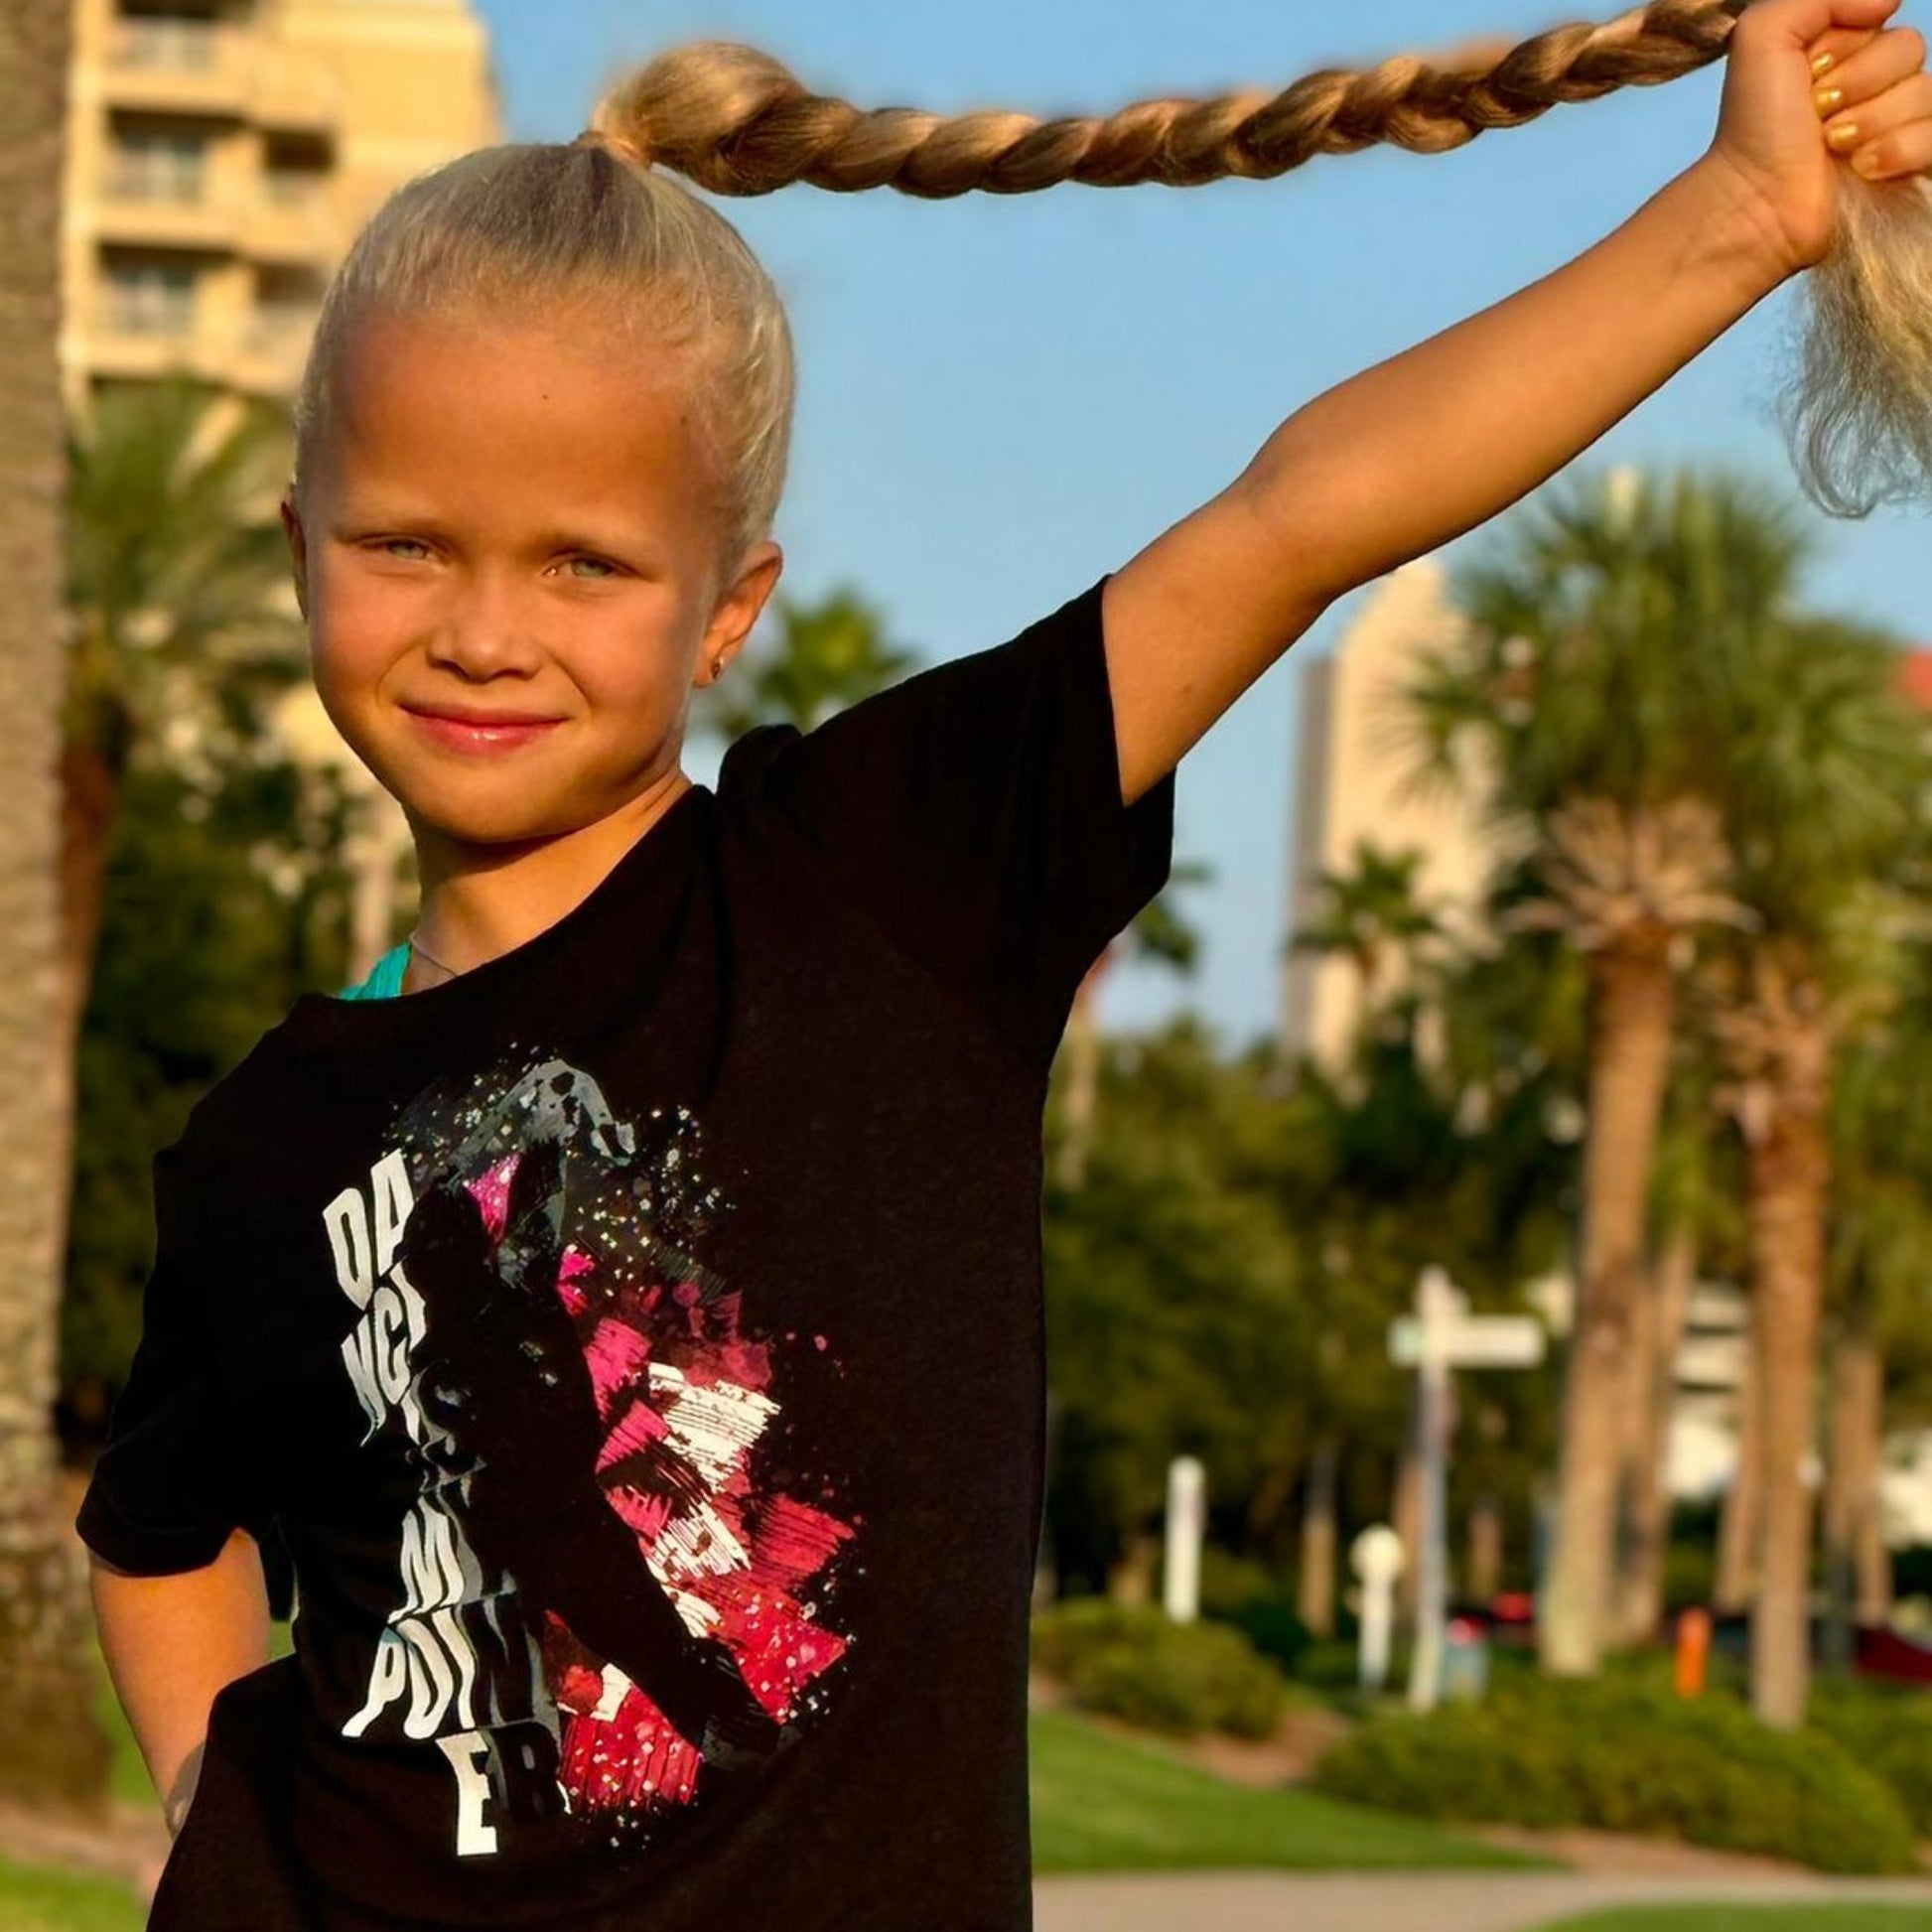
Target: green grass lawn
1100 1804
1104 1804
1754 1918
36 1900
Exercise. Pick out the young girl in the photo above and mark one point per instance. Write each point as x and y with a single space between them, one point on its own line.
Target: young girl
626 1307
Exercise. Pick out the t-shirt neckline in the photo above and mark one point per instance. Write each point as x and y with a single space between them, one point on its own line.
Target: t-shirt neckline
325 1018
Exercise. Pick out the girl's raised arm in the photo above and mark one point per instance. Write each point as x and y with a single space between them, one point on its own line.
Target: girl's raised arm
1428 444
1432 443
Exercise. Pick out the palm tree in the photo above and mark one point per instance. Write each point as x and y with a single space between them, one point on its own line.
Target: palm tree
1436 1147
1880 1262
1692 1215
1825 775
1371 915
1581 674
175 572
50 1749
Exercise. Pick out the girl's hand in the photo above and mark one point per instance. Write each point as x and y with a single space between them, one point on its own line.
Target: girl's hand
1814 86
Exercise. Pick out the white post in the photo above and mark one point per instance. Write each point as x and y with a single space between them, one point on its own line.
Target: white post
1376 1558
1441 1335
1187 1489
1436 1307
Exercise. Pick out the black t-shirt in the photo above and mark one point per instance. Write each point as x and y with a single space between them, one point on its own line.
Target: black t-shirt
638 1344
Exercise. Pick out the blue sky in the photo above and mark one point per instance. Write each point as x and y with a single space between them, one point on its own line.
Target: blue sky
1002 397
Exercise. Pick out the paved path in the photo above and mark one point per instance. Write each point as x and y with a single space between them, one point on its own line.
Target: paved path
1430 1901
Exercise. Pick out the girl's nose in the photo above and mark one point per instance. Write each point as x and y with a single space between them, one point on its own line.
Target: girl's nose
485 628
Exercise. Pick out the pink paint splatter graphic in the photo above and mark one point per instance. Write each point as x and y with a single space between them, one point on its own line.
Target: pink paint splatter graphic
738 1563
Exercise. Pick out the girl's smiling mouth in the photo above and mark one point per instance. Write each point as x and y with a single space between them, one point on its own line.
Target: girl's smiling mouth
480 730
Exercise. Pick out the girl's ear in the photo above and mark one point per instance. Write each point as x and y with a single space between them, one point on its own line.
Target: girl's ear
738 608
298 552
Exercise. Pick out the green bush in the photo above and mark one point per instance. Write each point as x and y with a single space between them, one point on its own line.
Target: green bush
1229 1583
1336 1665
1626 1756
1258 1601
1132 1662
1273 1627
1689 1575
1889 1729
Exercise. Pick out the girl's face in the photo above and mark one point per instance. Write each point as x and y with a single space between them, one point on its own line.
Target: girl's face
508 525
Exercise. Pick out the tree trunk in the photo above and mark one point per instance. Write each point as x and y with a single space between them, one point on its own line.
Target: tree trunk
51 1748
1406 1521
1856 1559
1082 1093
1790 1169
1315 1580
1632 997
1271 1495
1870 1556
1131 1577
90 793
1485 1549
1741 1526
1646 1546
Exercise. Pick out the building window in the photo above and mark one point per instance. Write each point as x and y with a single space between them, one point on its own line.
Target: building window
182 44
150 299
152 165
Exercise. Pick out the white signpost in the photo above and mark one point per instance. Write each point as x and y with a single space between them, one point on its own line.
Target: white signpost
1440 1336
1186 1523
1376 1557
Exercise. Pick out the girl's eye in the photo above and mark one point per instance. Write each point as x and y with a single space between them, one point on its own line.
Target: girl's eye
389 546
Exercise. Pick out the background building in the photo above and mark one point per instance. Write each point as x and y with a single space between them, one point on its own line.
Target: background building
221 157
1357 783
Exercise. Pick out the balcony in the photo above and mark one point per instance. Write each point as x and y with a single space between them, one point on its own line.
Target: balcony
293 224
263 358
135 340
146 212
177 66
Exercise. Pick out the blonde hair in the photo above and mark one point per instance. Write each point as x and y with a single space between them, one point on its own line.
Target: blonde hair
599 220
580 235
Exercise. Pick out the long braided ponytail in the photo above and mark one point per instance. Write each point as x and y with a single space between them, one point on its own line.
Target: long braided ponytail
1856 416
738 122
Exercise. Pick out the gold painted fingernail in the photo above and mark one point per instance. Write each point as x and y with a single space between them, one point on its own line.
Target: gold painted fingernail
1828 100
1822 64
1845 135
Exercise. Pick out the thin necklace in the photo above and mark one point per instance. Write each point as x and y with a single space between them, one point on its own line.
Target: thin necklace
417 948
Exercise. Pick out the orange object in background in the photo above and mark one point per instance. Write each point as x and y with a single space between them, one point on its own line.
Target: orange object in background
1693 1651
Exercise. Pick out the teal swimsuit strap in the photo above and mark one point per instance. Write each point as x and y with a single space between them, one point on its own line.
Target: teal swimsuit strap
385 977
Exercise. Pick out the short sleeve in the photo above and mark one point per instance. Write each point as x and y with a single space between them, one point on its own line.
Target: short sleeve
175 1477
974 808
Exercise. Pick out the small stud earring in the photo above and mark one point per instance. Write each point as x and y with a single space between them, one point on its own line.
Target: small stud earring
717 669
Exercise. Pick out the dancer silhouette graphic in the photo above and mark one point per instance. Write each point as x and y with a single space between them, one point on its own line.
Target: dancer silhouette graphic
502 1371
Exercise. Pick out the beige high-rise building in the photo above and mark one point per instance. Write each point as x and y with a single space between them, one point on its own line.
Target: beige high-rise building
1354 783
222 155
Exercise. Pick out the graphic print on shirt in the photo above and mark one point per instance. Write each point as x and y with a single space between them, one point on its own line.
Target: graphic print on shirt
608 1595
